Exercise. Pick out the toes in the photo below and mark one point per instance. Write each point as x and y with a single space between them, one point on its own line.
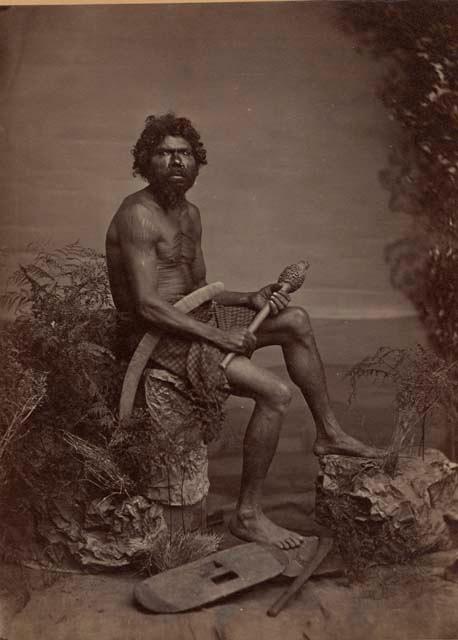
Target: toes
292 541
286 543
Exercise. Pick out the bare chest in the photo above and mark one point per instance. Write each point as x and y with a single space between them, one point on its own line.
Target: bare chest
176 244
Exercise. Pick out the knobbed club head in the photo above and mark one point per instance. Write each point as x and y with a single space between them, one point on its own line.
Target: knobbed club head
294 275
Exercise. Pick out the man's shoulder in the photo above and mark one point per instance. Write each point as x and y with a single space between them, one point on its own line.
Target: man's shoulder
136 216
193 211
137 207
138 201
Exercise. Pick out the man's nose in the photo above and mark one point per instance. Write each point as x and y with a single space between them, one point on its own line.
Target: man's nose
176 159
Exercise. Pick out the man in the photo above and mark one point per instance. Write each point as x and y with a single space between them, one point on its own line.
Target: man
155 257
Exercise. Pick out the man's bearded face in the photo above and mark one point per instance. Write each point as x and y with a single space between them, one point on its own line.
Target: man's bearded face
173 169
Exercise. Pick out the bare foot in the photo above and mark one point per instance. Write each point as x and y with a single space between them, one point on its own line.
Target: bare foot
344 445
254 526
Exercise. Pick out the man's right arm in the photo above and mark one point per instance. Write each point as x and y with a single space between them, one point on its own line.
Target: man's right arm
138 242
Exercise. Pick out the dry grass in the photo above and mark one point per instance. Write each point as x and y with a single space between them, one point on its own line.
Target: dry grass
174 550
98 465
424 383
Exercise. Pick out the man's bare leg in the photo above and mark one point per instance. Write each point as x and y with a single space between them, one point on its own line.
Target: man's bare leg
292 330
272 398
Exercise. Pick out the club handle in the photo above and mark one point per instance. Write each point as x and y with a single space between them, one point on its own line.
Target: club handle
255 324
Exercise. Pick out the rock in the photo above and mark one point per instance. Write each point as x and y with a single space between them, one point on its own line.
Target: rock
379 518
187 518
104 529
105 534
184 480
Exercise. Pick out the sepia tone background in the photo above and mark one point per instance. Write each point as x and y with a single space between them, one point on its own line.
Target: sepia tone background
287 110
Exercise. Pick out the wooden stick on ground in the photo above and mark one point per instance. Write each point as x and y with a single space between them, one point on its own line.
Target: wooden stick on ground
324 547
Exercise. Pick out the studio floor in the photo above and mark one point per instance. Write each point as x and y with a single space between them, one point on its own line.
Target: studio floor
411 602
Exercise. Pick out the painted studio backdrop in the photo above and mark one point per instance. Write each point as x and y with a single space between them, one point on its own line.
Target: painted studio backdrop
287 110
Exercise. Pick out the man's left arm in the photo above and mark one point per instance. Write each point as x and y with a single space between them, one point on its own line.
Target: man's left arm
251 299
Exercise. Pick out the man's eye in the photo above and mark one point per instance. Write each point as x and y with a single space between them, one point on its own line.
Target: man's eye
186 153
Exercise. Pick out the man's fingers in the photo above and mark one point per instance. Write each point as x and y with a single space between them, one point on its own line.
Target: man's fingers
251 340
278 302
282 297
247 340
274 310
241 340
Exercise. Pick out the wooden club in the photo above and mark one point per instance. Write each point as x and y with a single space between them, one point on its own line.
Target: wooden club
291 279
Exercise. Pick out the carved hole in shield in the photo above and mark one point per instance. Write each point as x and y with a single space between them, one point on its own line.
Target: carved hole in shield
225 577
217 564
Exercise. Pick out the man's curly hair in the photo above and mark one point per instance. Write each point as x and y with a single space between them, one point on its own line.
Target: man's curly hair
156 129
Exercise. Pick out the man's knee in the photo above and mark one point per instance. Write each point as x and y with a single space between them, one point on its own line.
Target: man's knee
299 324
278 397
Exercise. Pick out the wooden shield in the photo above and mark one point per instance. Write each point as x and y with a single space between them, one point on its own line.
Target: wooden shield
209 579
